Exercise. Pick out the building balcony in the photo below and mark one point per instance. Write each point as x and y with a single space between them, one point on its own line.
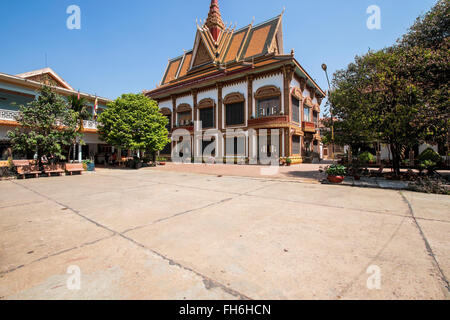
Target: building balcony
90 125
11 115
309 127
269 121
8 115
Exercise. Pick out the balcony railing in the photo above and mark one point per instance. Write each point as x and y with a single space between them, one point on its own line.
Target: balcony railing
308 127
268 120
11 115
8 115
89 124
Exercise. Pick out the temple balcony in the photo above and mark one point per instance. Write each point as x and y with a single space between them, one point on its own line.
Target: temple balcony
309 127
281 120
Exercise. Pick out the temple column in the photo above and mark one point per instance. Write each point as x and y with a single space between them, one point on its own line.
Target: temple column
288 150
220 105
80 153
288 74
174 116
220 143
195 107
250 97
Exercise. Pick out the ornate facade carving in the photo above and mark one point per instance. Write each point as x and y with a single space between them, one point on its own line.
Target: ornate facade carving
267 92
234 97
184 107
206 103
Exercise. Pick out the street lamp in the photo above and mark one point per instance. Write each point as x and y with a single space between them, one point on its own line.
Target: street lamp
324 67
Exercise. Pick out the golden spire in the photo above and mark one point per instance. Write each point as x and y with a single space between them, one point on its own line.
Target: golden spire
214 21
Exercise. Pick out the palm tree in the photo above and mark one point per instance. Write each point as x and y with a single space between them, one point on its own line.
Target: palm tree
80 106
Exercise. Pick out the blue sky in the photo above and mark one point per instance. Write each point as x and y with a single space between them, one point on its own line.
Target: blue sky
123 46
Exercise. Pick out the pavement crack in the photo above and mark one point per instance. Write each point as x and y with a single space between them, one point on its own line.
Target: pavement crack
54 255
427 244
206 280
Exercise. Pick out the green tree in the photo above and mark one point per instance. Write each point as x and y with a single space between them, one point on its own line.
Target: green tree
430 30
374 101
134 122
426 61
398 95
47 125
80 106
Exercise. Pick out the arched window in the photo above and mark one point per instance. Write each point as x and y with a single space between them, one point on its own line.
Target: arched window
234 109
268 101
296 103
184 115
207 113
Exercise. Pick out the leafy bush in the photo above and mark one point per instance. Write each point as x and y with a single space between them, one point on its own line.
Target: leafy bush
429 184
336 170
427 164
430 155
288 161
366 157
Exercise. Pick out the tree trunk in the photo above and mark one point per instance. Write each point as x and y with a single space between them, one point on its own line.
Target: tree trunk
396 158
39 159
68 156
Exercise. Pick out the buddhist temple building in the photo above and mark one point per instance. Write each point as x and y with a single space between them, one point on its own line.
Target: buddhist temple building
242 79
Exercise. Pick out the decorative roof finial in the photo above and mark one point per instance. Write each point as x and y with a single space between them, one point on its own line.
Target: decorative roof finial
214 21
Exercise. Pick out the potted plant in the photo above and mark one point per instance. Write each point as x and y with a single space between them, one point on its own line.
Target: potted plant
288 162
336 173
366 158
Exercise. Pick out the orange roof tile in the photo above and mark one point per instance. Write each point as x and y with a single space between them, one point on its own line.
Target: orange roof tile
172 71
234 47
186 64
257 41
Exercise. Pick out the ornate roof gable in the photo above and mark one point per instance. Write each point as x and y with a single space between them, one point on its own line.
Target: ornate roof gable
46 76
217 44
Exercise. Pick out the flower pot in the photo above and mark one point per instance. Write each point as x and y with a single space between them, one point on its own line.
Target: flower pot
335 179
162 163
90 167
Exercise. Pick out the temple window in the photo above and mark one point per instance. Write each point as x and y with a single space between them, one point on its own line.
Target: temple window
205 144
207 112
295 110
235 114
296 144
268 101
268 107
235 146
184 118
207 117
315 117
234 109
306 114
168 126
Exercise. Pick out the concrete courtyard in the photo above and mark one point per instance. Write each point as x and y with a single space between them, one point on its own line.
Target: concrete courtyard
161 234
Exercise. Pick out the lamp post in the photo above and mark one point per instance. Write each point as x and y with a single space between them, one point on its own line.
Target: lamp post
324 67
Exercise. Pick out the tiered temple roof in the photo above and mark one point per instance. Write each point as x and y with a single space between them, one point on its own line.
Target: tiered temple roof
219 46
221 52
